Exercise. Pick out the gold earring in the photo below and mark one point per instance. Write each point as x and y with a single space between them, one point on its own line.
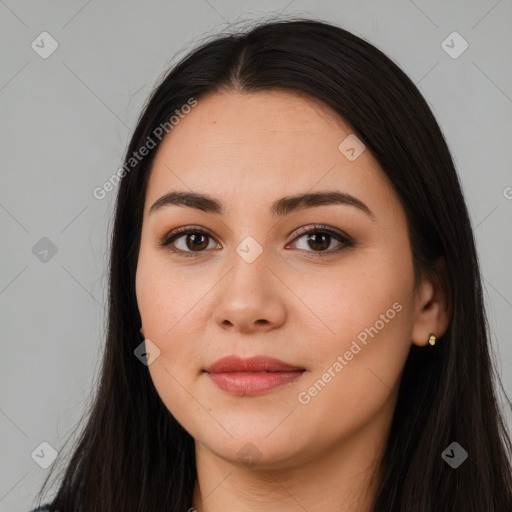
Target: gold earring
432 339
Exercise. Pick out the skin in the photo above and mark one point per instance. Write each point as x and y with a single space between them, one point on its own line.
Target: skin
248 150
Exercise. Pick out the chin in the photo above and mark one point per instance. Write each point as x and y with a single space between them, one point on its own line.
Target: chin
257 452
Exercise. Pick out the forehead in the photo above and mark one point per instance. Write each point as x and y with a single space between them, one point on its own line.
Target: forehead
262 146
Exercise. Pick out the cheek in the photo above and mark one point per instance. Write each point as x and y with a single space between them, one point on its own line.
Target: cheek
356 370
166 307
163 296
346 301
365 307
175 308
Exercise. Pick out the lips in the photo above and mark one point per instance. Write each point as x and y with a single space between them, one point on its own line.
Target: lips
235 364
253 376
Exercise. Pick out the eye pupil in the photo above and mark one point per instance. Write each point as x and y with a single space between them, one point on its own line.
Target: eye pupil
324 243
198 241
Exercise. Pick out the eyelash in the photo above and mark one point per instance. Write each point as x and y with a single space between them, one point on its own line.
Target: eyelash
344 239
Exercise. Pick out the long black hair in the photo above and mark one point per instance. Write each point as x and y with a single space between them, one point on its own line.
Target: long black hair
132 454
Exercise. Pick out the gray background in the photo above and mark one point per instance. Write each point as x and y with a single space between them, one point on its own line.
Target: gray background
66 121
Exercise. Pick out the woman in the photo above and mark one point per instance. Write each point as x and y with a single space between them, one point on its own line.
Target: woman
296 316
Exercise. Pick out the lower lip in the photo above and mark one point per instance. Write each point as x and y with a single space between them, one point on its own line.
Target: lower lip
251 383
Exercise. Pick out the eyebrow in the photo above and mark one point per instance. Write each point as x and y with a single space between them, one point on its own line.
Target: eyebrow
279 208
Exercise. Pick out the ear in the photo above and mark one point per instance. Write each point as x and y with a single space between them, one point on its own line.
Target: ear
432 310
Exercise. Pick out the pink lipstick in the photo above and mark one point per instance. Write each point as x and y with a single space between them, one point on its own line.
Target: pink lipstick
253 376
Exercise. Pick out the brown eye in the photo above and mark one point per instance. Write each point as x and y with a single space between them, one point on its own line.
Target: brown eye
191 241
196 241
319 238
319 241
187 241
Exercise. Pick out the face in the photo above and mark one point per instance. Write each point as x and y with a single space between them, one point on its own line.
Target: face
327 289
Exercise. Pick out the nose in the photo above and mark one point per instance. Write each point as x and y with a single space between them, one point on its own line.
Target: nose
251 298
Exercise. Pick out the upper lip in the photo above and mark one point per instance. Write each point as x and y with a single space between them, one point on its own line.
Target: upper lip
252 364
